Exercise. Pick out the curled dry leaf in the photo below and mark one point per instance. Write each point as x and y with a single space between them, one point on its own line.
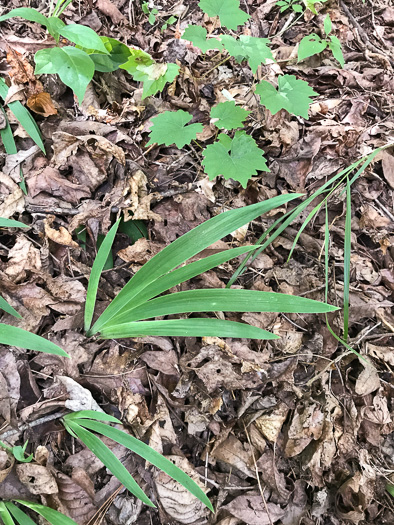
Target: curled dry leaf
176 501
368 381
306 426
270 425
42 104
6 463
22 257
74 498
12 199
61 236
37 478
238 455
79 398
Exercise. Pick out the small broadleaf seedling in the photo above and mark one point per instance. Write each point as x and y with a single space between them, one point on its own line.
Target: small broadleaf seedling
198 36
226 115
228 11
313 45
238 158
293 4
292 94
171 127
18 452
252 49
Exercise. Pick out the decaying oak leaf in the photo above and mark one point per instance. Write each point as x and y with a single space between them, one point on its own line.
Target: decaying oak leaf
368 381
42 104
175 500
75 499
23 256
12 199
270 425
37 478
61 236
305 426
238 455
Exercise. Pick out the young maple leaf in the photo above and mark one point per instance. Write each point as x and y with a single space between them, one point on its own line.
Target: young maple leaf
227 115
198 36
228 11
237 159
170 128
292 94
250 48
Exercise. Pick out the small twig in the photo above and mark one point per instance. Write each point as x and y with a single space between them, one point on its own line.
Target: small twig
25 426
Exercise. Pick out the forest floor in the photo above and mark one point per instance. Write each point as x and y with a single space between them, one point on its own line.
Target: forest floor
296 431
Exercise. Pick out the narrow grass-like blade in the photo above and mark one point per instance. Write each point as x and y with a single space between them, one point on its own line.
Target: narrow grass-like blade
109 459
10 223
221 300
151 455
5 514
19 515
53 516
186 247
97 268
92 414
198 327
10 147
346 260
27 122
183 274
8 308
326 254
14 336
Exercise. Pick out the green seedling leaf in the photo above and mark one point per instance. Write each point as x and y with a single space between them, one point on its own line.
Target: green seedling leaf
106 455
32 15
183 249
228 11
53 516
254 50
292 94
149 454
83 36
327 25
310 4
138 59
336 48
19 453
198 36
8 308
195 327
118 54
97 268
171 127
311 45
55 25
10 223
91 414
155 77
236 159
390 489
18 514
297 8
14 336
74 67
226 115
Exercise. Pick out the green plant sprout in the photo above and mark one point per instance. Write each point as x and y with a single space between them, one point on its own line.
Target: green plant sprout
77 65
18 452
287 4
10 514
313 45
152 13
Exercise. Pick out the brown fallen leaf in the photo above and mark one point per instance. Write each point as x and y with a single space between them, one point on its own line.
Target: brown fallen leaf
109 9
37 478
22 257
76 500
270 425
6 463
61 236
42 104
251 509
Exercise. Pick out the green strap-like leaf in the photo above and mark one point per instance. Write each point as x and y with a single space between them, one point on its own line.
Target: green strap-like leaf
109 459
186 247
91 414
10 223
151 455
18 514
53 516
222 300
14 336
8 308
5 515
186 328
97 268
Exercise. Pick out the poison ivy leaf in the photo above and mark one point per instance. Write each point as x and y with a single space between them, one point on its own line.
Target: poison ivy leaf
155 77
198 36
228 11
292 94
170 128
238 158
74 67
336 48
227 115
311 45
83 36
252 49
